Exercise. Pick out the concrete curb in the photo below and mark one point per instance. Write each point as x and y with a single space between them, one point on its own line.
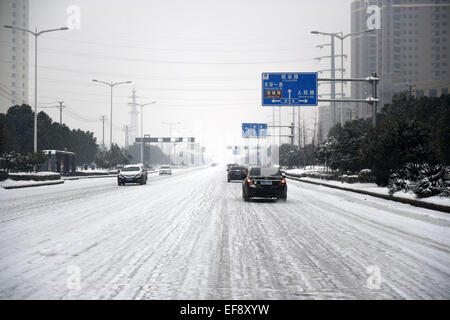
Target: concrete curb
413 202
47 183
89 177
96 176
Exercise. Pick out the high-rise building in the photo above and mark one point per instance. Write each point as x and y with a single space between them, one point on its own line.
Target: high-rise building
13 53
408 51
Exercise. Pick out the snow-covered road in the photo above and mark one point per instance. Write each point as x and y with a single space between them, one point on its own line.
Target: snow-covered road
190 236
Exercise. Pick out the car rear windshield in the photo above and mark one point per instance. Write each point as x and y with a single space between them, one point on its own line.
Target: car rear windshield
265 172
237 168
165 167
131 169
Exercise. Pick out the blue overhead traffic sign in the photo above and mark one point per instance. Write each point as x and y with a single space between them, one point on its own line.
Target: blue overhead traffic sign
289 89
254 130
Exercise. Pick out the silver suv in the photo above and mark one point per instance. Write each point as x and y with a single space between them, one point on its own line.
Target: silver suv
133 173
165 170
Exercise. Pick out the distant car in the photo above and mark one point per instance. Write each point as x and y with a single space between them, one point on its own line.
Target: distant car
165 170
133 173
264 183
232 165
237 173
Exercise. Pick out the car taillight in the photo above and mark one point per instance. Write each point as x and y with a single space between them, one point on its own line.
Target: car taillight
283 181
230 172
249 181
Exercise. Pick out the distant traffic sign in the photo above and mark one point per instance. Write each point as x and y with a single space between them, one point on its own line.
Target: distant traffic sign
254 130
289 89
165 139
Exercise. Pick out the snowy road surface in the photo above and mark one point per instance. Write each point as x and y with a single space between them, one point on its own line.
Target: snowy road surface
190 236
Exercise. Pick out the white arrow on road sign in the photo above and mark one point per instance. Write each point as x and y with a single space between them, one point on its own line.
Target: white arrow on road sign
304 100
289 91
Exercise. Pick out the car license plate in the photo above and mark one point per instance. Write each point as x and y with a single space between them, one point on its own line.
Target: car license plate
266 183
129 179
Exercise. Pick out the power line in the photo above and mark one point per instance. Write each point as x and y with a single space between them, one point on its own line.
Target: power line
138 76
115 45
128 59
141 60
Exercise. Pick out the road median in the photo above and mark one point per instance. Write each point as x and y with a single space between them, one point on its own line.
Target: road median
29 185
413 202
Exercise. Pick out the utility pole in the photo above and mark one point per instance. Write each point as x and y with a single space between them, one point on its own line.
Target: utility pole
171 124
102 119
142 129
293 126
333 85
134 115
375 103
127 130
60 107
341 116
279 123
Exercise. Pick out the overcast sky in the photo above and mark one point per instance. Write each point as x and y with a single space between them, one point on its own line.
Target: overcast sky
201 60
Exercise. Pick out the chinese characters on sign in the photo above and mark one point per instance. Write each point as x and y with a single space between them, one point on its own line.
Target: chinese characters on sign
289 89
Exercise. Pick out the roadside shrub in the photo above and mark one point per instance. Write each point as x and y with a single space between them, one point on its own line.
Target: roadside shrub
349 178
366 176
423 179
34 177
21 162
3 175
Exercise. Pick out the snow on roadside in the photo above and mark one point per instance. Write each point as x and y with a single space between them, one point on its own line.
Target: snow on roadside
372 187
10 182
41 173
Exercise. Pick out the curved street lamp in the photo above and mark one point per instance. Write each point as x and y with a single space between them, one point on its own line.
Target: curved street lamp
35 33
111 85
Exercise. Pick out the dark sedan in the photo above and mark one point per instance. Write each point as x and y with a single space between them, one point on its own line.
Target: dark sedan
264 183
237 173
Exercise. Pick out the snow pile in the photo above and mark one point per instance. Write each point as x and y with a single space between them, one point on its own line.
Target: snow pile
10 182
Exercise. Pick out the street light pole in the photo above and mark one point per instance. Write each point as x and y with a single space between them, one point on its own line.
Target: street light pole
142 129
35 34
111 85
